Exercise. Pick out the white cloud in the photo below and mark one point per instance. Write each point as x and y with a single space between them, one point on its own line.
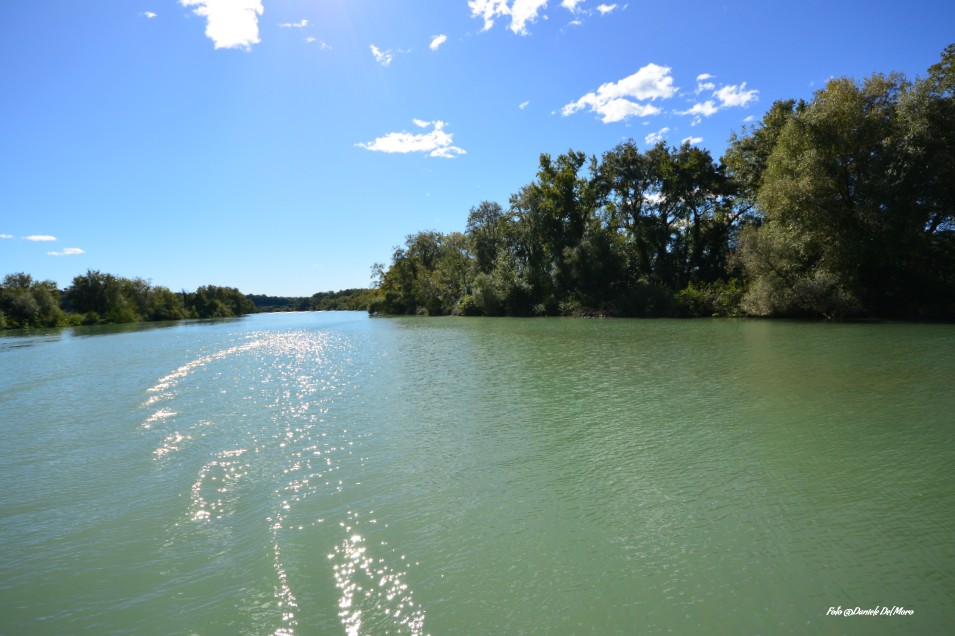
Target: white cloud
69 251
301 24
521 12
40 237
437 41
615 101
524 11
436 143
149 15
604 9
230 24
703 83
570 5
324 46
6 236
750 119
523 105
706 109
382 57
730 96
726 97
655 137
488 9
692 140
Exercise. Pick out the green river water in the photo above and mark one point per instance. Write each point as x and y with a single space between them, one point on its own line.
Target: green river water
331 473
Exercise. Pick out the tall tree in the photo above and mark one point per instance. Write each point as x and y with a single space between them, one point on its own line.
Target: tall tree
856 199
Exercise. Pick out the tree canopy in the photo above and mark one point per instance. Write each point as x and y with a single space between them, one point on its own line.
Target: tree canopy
843 206
97 298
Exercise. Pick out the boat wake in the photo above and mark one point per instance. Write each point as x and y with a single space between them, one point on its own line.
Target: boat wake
270 431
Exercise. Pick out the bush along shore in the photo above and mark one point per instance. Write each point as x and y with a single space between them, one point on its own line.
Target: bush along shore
95 298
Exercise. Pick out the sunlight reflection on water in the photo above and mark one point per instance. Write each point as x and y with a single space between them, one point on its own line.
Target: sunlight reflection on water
288 436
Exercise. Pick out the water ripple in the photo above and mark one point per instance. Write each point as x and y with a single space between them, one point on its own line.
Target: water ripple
270 422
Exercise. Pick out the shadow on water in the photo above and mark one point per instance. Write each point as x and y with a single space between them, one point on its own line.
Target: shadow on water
10 340
24 338
19 339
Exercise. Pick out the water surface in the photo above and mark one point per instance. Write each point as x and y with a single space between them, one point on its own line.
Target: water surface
326 473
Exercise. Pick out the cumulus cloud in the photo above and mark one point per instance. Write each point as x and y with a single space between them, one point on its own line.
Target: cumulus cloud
230 24
730 96
301 24
616 101
382 57
692 140
656 137
69 251
521 12
149 15
436 143
706 109
488 10
524 11
437 41
40 237
703 83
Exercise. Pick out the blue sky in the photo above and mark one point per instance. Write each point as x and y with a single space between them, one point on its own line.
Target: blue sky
284 146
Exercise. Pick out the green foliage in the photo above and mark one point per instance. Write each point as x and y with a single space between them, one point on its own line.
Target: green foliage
619 236
857 198
429 276
27 303
842 206
98 298
163 304
343 300
719 298
264 303
212 301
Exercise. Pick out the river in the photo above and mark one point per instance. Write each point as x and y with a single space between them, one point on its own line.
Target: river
332 473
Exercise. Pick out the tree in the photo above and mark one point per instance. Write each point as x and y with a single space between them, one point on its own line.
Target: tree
748 154
163 304
212 301
100 297
553 215
25 302
856 202
487 229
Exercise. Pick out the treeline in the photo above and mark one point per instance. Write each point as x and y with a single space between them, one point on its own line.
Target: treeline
344 300
840 207
97 298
